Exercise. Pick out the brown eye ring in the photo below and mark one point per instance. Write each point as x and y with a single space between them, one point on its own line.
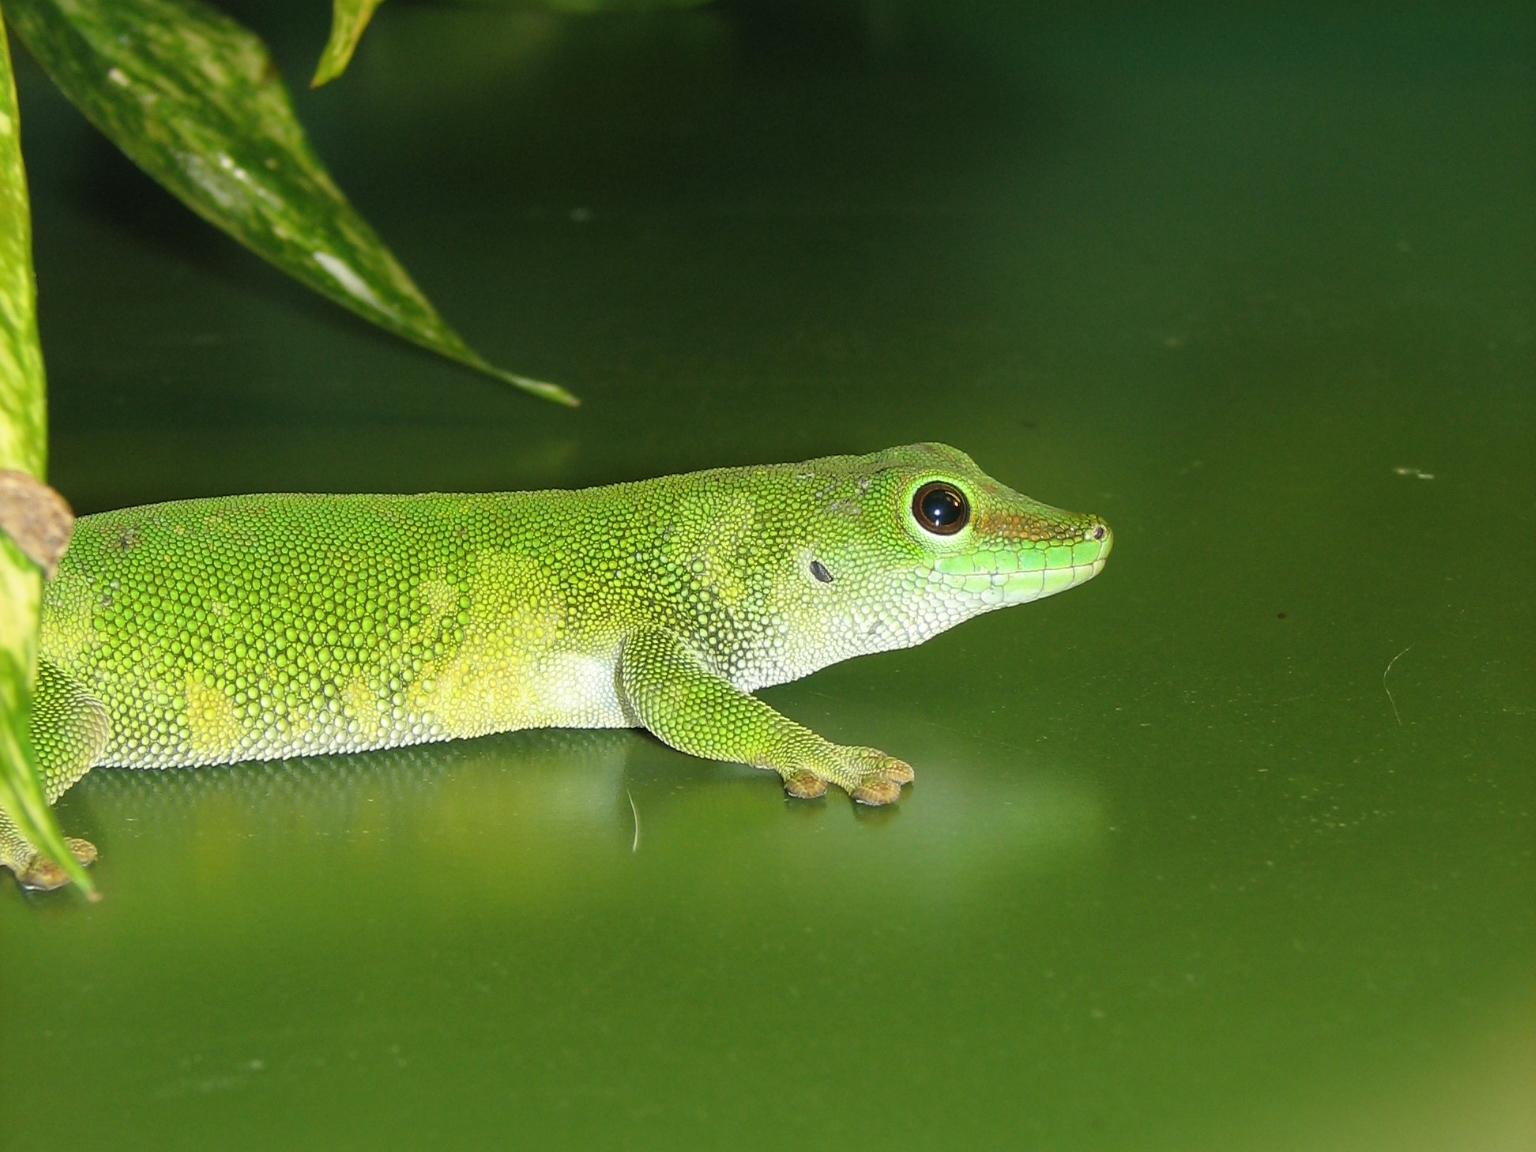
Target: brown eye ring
940 508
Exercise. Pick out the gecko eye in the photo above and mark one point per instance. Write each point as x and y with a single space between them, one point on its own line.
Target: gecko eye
940 508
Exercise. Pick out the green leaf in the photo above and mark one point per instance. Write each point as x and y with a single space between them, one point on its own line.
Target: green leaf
193 99
23 430
348 19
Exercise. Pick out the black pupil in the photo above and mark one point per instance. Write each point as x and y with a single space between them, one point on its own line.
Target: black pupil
941 508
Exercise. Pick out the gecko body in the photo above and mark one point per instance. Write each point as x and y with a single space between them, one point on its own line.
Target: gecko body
255 627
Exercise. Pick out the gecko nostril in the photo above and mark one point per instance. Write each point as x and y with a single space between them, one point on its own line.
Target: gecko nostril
1098 533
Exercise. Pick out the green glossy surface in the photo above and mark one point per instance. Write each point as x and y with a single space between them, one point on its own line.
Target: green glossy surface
1231 849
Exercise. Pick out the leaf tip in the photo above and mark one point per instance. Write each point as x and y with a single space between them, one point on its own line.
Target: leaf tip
79 878
542 388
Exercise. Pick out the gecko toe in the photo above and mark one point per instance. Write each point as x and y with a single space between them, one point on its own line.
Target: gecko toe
805 786
877 792
44 875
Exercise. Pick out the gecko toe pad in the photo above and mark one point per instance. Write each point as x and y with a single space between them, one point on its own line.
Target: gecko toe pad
805 786
44 875
878 792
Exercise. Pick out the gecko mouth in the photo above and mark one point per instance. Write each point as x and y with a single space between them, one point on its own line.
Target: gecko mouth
1022 587
1008 576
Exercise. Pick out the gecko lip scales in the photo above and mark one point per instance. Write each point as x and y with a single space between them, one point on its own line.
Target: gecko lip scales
1002 577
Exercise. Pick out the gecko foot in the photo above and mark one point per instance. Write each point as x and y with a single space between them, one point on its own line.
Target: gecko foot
880 777
44 875
866 774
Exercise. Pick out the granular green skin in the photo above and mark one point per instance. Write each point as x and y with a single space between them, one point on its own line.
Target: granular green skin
256 627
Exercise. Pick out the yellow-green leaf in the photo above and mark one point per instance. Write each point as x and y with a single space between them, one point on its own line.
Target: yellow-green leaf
192 97
348 19
23 428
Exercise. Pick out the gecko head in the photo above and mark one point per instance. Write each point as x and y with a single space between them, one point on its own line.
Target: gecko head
926 539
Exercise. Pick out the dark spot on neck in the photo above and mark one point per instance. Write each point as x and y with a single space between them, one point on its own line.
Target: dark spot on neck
819 570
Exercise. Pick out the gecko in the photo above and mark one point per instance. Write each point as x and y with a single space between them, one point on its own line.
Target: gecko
234 628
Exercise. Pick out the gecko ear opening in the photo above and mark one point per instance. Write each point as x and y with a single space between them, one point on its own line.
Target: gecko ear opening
940 508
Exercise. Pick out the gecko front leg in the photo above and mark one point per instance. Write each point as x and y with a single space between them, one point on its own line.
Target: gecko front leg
669 690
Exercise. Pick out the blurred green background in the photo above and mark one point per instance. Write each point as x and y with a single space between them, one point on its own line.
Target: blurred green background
1232 849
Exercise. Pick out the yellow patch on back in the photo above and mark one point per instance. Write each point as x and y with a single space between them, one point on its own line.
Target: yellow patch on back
730 533
708 538
362 710
493 682
213 725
